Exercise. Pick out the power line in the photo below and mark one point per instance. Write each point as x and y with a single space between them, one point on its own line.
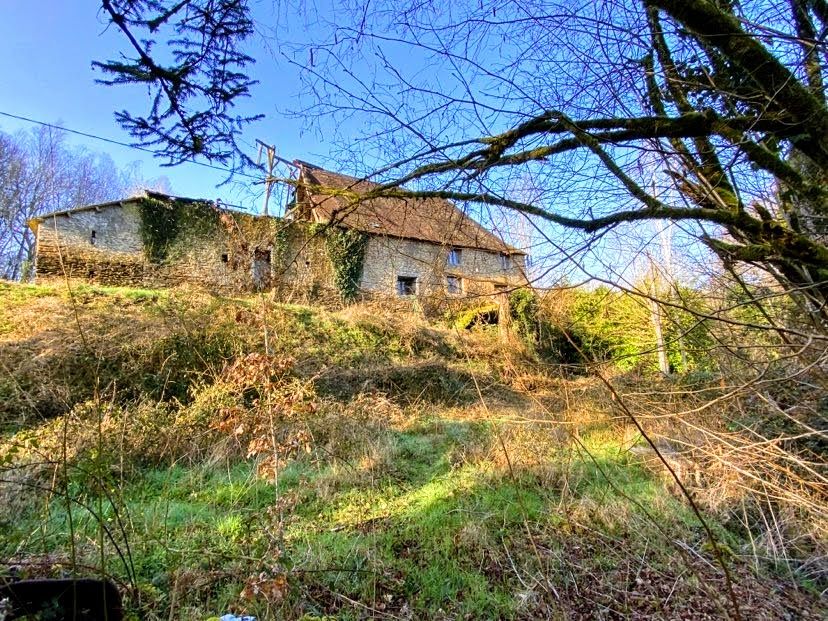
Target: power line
120 144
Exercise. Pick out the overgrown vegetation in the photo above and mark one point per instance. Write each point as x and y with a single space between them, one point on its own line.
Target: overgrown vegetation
162 222
346 250
287 462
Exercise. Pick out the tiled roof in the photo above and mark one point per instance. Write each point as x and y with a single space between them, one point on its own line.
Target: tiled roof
427 219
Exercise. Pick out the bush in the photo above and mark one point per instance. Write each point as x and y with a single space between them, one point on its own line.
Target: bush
615 326
523 307
479 315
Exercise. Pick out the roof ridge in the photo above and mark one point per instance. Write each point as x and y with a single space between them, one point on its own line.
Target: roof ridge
445 223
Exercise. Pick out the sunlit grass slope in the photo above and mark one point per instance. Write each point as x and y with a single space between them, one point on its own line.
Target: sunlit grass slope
214 455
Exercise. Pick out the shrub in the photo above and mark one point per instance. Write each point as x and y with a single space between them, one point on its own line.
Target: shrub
523 307
479 315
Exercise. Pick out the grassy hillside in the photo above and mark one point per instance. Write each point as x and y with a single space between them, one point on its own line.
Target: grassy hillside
214 454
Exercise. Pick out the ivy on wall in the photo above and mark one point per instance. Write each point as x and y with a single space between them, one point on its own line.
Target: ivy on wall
346 250
159 227
163 222
281 242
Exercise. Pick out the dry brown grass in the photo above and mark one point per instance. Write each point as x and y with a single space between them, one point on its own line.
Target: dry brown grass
750 453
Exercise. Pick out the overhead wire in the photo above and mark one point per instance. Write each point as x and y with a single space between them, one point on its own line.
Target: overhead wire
121 144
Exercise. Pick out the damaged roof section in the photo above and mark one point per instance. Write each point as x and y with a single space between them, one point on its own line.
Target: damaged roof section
167 198
432 220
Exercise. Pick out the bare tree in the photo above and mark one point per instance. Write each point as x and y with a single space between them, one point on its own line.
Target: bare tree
728 98
587 119
39 173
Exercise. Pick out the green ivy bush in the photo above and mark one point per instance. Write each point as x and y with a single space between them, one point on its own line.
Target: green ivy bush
523 307
346 251
614 326
163 222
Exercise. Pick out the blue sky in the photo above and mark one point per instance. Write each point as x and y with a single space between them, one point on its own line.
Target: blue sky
46 49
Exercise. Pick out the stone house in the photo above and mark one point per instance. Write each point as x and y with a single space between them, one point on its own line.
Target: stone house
154 240
423 249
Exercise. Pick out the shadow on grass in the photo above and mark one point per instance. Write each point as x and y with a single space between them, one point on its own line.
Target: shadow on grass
458 543
413 528
429 382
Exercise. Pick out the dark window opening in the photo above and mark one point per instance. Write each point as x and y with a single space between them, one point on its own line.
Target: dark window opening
454 284
261 268
225 258
93 237
406 285
454 256
262 254
505 261
500 288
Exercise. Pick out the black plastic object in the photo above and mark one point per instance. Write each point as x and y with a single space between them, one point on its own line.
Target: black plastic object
82 599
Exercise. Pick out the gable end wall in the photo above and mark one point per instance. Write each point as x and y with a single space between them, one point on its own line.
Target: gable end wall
386 258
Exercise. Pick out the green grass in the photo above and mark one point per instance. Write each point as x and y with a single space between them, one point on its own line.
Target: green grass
16 292
12 292
426 531
404 502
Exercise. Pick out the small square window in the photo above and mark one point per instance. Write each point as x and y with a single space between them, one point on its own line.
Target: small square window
454 256
505 261
225 258
406 285
454 284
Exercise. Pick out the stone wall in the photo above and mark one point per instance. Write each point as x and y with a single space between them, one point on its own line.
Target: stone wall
232 252
106 246
305 273
66 246
479 271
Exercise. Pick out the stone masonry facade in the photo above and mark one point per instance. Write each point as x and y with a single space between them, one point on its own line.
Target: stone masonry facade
105 246
475 272
242 252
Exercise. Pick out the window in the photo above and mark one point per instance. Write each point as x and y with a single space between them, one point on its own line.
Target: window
406 285
93 237
225 258
500 288
262 255
454 256
454 284
505 261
